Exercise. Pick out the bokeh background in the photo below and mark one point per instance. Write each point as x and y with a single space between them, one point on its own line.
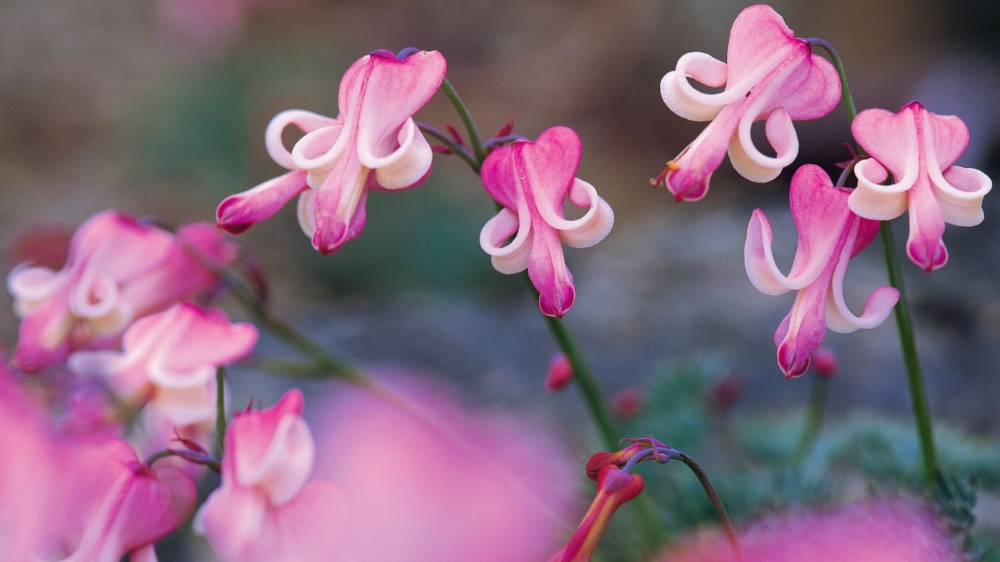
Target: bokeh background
159 107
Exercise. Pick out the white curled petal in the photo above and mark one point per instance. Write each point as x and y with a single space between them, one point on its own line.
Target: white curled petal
95 295
683 99
750 162
187 404
874 201
31 285
96 363
594 226
759 259
512 258
307 121
319 150
877 308
285 466
406 165
960 193
306 211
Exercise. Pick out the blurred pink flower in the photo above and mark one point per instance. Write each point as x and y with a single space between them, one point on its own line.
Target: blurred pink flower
824 362
829 236
79 499
628 402
560 373
428 481
871 531
531 180
373 144
169 360
919 148
118 270
264 510
771 75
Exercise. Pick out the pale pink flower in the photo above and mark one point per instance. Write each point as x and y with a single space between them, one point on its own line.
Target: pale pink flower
169 360
118 270
264 510
428 480
770 75
531 181
373 144
79 499
919 148
870 531
829 236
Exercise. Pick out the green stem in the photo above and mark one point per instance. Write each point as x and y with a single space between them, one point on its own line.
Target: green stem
713 496
907 341
475 141
818 397
220 409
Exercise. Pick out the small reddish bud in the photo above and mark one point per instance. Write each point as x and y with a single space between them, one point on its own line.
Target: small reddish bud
725 392
507 129
824 362
628 402
618 458
560 373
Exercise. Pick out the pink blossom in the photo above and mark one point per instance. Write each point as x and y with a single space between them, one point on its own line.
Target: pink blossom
373 144
169 359
829 236
264 510
919 148
118 270
770 75
79 499
429 480
531 180
870 531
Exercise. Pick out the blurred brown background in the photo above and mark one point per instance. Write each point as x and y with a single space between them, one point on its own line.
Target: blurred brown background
159 107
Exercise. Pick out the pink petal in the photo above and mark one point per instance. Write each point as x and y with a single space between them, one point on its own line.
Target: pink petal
924 246
306 121
684 100
338 204
594 225
406 166
549 166
548 272
758 35
890 139
802 331
512 258
960 193
688 178
749 161
237 213
500 177
949 136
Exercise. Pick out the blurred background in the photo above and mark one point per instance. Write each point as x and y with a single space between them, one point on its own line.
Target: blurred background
159 108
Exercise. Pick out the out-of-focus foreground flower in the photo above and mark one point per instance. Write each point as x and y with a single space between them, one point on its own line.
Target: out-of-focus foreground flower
871 531
264 511
373 144
770 75
829 236
119 269
531 180
434 482
919 148
79 499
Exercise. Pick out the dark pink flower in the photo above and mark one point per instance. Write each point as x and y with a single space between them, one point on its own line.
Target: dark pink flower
531 180
373 144
770 75
829 236
919 148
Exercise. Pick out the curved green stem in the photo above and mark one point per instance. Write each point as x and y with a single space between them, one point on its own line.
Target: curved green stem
475 141
713 496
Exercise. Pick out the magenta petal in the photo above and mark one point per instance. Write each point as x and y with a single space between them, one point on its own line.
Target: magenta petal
805 330
237 213
549 274
758 33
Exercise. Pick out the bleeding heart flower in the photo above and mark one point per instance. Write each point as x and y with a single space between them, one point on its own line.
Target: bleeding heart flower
373 144
829 236
919 148
531 180
119 269
770 75
264 510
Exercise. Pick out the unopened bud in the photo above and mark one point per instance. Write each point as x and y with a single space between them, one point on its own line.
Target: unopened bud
824 362
560 373
726 391
628 402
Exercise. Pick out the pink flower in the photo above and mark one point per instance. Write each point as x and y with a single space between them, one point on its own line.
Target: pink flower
829 236
531 180
615 487
118 270
169 359
373 144
76 499
770 75
429 480
919 148
871 531
264 510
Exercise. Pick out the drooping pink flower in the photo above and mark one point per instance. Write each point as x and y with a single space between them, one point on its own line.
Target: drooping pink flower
118 270
169 360
615 487
770 75
531 180
869 531
264 510
373 144
919 148
829 236
430 480
78 499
